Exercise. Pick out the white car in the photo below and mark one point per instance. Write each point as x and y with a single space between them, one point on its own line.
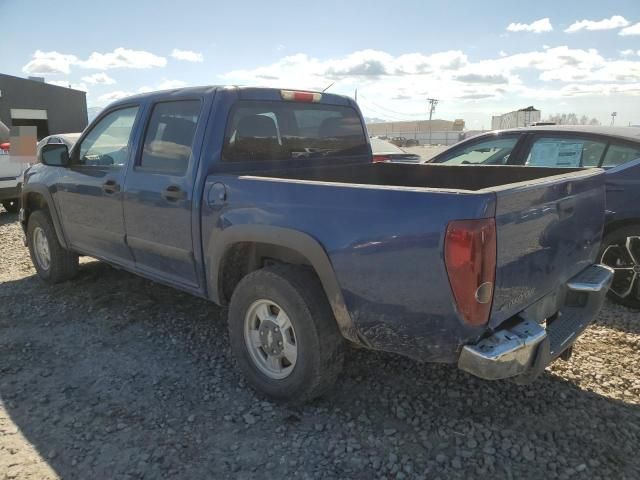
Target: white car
10 183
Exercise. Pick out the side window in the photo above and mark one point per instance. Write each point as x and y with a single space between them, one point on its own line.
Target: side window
494 151
619 154
565 152
107 144
169 136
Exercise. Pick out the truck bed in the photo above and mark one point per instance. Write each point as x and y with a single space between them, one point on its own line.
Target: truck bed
468 178
383 228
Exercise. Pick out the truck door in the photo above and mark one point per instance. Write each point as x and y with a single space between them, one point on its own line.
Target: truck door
158 194
89 190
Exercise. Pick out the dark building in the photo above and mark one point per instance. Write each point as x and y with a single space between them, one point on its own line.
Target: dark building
50 108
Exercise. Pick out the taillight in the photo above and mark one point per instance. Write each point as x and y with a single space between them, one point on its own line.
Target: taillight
470 258
296 96
381 158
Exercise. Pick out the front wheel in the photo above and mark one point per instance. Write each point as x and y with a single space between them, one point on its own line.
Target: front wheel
621 251
283 334
52 261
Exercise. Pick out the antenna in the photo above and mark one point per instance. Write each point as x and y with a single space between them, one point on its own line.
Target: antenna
329 86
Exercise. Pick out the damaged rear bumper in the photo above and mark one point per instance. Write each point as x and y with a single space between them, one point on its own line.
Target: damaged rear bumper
524 348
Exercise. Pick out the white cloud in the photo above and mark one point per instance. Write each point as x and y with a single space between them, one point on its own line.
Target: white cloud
632 30
402 82
51 63
539 26
68 84
627 53
113 96
123 58
99 79
118 94
616 21
187 55
164 85
43 63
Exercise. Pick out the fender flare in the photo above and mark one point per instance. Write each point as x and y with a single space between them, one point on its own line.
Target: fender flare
48 198
301 243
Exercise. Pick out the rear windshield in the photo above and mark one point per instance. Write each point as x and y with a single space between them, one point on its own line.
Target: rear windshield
267 131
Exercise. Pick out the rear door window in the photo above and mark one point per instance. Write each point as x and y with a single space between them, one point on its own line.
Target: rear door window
619 154
568 152
169 137
268 131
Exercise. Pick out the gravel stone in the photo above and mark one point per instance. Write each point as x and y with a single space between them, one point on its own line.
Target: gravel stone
114 376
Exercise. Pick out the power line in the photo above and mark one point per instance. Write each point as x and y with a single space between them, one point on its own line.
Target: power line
391 111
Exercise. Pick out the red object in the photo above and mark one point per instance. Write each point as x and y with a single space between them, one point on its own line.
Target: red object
295 96
5 146
381 158
470 258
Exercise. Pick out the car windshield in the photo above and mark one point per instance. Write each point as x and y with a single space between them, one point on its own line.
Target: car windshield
490 152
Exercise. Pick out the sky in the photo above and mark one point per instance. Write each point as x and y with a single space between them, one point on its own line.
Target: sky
478 58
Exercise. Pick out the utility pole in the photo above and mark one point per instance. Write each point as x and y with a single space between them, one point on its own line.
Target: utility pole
613 117
432 108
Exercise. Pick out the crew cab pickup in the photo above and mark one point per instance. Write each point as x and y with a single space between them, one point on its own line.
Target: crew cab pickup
268 201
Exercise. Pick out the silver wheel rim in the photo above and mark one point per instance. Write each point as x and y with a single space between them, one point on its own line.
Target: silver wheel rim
41 248
270 339
625 261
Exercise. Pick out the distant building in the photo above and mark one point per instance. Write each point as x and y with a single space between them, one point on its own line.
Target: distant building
32 102
437 132
518 118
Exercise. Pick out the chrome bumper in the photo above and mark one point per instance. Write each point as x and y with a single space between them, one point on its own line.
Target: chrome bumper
525 348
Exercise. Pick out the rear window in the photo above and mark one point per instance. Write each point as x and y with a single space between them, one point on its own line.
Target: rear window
267 131
619 154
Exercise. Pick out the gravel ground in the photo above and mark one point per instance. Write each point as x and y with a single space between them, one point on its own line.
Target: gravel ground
113 376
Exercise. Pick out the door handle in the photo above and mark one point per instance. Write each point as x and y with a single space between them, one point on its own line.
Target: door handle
173 193
110 187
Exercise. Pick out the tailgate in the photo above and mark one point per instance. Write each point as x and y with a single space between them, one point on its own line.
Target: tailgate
548 230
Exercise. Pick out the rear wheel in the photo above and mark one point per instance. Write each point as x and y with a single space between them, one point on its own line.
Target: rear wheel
621 251
11 206
52 261
283 334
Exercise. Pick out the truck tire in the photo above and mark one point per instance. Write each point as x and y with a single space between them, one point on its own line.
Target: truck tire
11 206
283 334
621 251
52 261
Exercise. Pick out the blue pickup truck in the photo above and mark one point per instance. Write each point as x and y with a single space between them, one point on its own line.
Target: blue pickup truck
268 201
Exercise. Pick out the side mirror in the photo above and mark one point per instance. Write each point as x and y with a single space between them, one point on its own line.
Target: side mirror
54 155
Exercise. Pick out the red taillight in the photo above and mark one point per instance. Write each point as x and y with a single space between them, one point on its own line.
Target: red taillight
381 158
470 258
295 96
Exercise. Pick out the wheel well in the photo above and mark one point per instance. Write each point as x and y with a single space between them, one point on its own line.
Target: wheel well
35 201
245 257
615 225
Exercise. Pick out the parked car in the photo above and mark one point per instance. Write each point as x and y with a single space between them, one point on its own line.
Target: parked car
384 151
10 182
399 141
616 149
69 139
268 201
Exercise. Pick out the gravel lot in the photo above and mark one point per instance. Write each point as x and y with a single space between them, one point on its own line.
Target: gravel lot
112 376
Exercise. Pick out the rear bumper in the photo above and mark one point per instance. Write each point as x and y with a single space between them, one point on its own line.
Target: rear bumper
524 348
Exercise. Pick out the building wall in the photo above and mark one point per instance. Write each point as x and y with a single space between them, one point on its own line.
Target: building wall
404 129
518 118
66 108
